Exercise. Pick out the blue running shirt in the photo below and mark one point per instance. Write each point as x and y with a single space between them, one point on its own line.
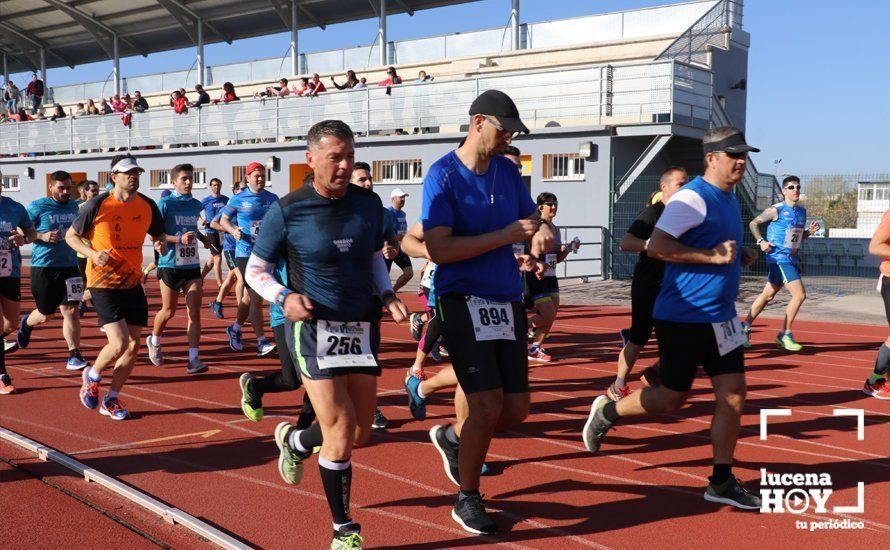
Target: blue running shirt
700 216
48 215
786 233
180 214
213 206
474 204
399 221
12 215
246 210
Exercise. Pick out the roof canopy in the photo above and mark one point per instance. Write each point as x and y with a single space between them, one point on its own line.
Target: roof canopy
74 32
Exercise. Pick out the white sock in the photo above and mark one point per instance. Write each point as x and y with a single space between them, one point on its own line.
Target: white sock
236 326
337 526
193 354
420 391
155 340
295 441
93 375
112 394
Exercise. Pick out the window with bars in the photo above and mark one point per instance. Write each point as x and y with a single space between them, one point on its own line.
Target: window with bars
11 183
103 179
160 179
564 167
398 171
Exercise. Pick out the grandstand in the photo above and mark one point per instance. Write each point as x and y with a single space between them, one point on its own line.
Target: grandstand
611 99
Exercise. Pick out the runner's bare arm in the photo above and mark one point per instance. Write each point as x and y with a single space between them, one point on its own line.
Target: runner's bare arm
31 234
631 243
542 241
879 245
446 248
226 225
78 243
768 215
216 225
664 246
413 244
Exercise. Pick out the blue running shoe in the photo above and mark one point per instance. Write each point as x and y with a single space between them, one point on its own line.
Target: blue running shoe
234 339
114 408
89 390
216 308
76 362
416 404
23 338
486 471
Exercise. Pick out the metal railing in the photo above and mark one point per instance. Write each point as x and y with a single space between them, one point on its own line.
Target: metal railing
710 30
592 258
657 92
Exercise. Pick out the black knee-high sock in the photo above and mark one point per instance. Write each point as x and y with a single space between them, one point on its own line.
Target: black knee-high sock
883 360
307 414
305 440
336 478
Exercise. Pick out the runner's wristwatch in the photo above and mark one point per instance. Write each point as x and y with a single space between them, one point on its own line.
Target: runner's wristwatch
760 240
279 300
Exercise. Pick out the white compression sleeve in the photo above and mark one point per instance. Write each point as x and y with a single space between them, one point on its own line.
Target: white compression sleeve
259 277
380 274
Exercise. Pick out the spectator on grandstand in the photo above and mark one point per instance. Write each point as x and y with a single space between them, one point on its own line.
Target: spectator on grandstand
180 104
105 108
129 101
280 91
81 111
351 81
91 107
117 105
362 83
423 77
140 105
391 78
316 86
21 116
228 94
303 87
203 97
11 97
58 112
34 93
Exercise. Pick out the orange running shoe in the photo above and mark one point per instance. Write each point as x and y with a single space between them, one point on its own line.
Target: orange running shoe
6 386
878 390
538 354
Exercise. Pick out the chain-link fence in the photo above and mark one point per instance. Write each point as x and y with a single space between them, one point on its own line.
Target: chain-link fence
834 261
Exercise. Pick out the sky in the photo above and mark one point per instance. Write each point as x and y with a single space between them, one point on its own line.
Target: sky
817 88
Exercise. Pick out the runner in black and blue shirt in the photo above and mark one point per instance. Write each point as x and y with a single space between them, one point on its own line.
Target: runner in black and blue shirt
329 234
212 205
179 270
234 277
241 218
56 282
400 224
696 324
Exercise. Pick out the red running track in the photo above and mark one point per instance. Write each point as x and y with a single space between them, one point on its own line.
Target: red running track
189 445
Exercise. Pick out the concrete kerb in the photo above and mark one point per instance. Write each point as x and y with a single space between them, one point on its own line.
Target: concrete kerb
167 513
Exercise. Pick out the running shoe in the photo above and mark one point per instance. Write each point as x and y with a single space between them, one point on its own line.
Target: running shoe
416 404
196 366
417 325
624 334
251 403
23 337
443 351
532 332
786 340
617 394
216 308
290 461
436 354
10 346
102 329
155 355
651 376
114 408
6 386
448 452
470 513
380 421
234 338
878 390
731 492
347 538
145 273
746 328
264 348
89 390
538 354
596 426
76 362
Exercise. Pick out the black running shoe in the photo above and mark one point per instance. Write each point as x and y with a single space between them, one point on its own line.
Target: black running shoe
596 426
448 451
470 513
731 492
23 337
380 421
416 326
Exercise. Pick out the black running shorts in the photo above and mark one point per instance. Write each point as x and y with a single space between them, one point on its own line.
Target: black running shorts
49 285
215 245
178 279
11 288
541 289
302 338
113 304
642 296
683 347
486 365
402 260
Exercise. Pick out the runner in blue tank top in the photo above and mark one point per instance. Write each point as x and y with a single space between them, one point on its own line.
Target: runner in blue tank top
241 218
785 234
698 237
179 270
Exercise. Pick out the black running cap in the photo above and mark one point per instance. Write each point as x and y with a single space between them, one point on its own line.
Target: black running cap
730 144
498 104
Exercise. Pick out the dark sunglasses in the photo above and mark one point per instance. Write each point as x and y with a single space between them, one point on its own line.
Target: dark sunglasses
736 156
550 204
792 187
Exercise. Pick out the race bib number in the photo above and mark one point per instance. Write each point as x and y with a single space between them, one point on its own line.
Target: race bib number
185 255
255 228
793 237
550 260
74 288
5 263
426 279
518 249
343 345
729 335
491 320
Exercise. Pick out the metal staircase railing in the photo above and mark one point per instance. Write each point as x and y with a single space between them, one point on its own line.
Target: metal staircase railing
711 29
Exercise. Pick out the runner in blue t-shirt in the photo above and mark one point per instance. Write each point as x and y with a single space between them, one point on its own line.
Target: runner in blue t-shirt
698 237
179 270
400 225
241 218
56 282
228 255
475 206
785 234
212 205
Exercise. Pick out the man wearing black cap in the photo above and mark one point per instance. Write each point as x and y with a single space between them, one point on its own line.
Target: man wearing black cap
475 206
695 318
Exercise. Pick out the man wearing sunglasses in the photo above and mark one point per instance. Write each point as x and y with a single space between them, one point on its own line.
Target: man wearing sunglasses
784 235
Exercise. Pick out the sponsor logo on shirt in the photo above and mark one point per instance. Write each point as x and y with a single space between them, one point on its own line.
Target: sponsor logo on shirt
343 244
186 220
